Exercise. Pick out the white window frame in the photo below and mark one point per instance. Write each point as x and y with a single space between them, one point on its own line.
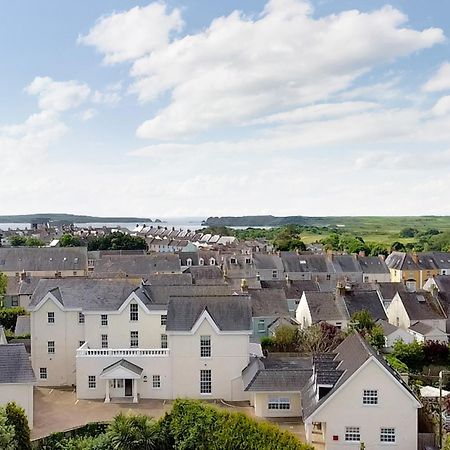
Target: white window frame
274 273
134 339
163 320
134 312
43 373
261 326
164 341
352 434
51 317
388 435
104 320
104 340
81 318
370 397
51 347
279 403
205 346
156 381
205 382
92 382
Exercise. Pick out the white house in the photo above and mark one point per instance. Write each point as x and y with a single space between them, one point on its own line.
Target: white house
16 378
392 334
422 332
366 403
122 338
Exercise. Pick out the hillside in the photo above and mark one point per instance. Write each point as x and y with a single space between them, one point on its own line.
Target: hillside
71 218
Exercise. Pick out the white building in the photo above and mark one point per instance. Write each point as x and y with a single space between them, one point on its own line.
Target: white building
16 378
122 338
363 401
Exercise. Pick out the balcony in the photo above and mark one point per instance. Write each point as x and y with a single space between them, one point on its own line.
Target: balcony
85 351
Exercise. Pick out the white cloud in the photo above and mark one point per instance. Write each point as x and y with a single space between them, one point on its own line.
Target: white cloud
440 81
131 34
242 68
442 106
106 98
88 114
58 95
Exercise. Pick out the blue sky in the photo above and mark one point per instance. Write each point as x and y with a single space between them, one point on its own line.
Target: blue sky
192 108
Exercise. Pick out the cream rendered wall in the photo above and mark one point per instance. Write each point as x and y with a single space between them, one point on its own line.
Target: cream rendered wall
22 394
302 314
399 334
67 333
395 409
261 399
119 326
93 365
230 355
397 310
379 277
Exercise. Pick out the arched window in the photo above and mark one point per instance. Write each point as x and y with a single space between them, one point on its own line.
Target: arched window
201 262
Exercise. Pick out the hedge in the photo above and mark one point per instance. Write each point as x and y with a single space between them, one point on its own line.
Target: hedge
192 425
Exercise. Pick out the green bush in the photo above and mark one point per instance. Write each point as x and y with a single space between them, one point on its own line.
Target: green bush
412 355
194 426
396 364
8 317
16 417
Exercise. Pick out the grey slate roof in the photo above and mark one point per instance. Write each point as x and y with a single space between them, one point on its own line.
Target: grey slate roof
126 365
22 326
46 259
373 264
293 289
267 262
169 279
443 283
387 327
324 306
365 300
15 365
136 265
206 274
229 313
345 264
277 374
388 290
268 302
421 328
16 286
420 310
86 293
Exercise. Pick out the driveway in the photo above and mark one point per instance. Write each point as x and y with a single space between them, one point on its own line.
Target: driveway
59 410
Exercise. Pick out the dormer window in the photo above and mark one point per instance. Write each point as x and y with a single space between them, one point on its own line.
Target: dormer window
212 262
189 262
248 260
201 262
233 260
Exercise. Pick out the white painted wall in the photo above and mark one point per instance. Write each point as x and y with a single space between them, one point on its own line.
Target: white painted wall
395 409
397 314
22 394
261 399
302 314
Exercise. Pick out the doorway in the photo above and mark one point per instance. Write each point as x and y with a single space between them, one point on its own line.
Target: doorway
128 387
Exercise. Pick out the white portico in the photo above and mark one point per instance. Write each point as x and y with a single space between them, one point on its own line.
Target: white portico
122 377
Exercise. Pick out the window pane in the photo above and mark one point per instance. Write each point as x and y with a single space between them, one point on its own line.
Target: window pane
205 381
352 434
370 397
387 434
205 346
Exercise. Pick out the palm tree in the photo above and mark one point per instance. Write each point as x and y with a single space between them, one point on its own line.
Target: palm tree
134 433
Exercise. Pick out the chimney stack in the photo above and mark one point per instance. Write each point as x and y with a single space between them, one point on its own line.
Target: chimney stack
415 257
244 286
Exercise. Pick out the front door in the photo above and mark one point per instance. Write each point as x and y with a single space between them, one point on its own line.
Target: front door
128 388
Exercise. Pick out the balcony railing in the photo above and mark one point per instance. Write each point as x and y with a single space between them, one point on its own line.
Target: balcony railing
123 352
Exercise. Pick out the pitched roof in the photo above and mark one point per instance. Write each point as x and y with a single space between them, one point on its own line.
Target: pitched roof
293 262
345 264
421 328
126 365
365 300
29 259
420 305
293 288
324 306
280 374
388 290
22 326
268 302
265 262
387 327
15 365
229 313
373 264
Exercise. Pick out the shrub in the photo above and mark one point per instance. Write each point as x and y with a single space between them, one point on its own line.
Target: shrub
16 417
7 435
8 317
397 364
267 343
194 426
435 352
410 354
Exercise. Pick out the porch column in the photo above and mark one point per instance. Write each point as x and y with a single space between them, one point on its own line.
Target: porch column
135 393
107 398
308 432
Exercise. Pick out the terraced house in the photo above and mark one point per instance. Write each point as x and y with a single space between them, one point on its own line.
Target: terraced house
122 338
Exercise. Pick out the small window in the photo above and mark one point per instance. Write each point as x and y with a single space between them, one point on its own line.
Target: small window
43 373
366 279
352 434
134 313
261 326
328 277
156 381
80 317
51 347
233 260
248 261
387 434
205 381
163 319
164 341
74 273
274 274
201 262
104 320
370 397
278 403
189 262
134 339
92 382
104 341
50 317
15 301
205 346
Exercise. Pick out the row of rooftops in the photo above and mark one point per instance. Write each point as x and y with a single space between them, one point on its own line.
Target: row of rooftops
419 261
